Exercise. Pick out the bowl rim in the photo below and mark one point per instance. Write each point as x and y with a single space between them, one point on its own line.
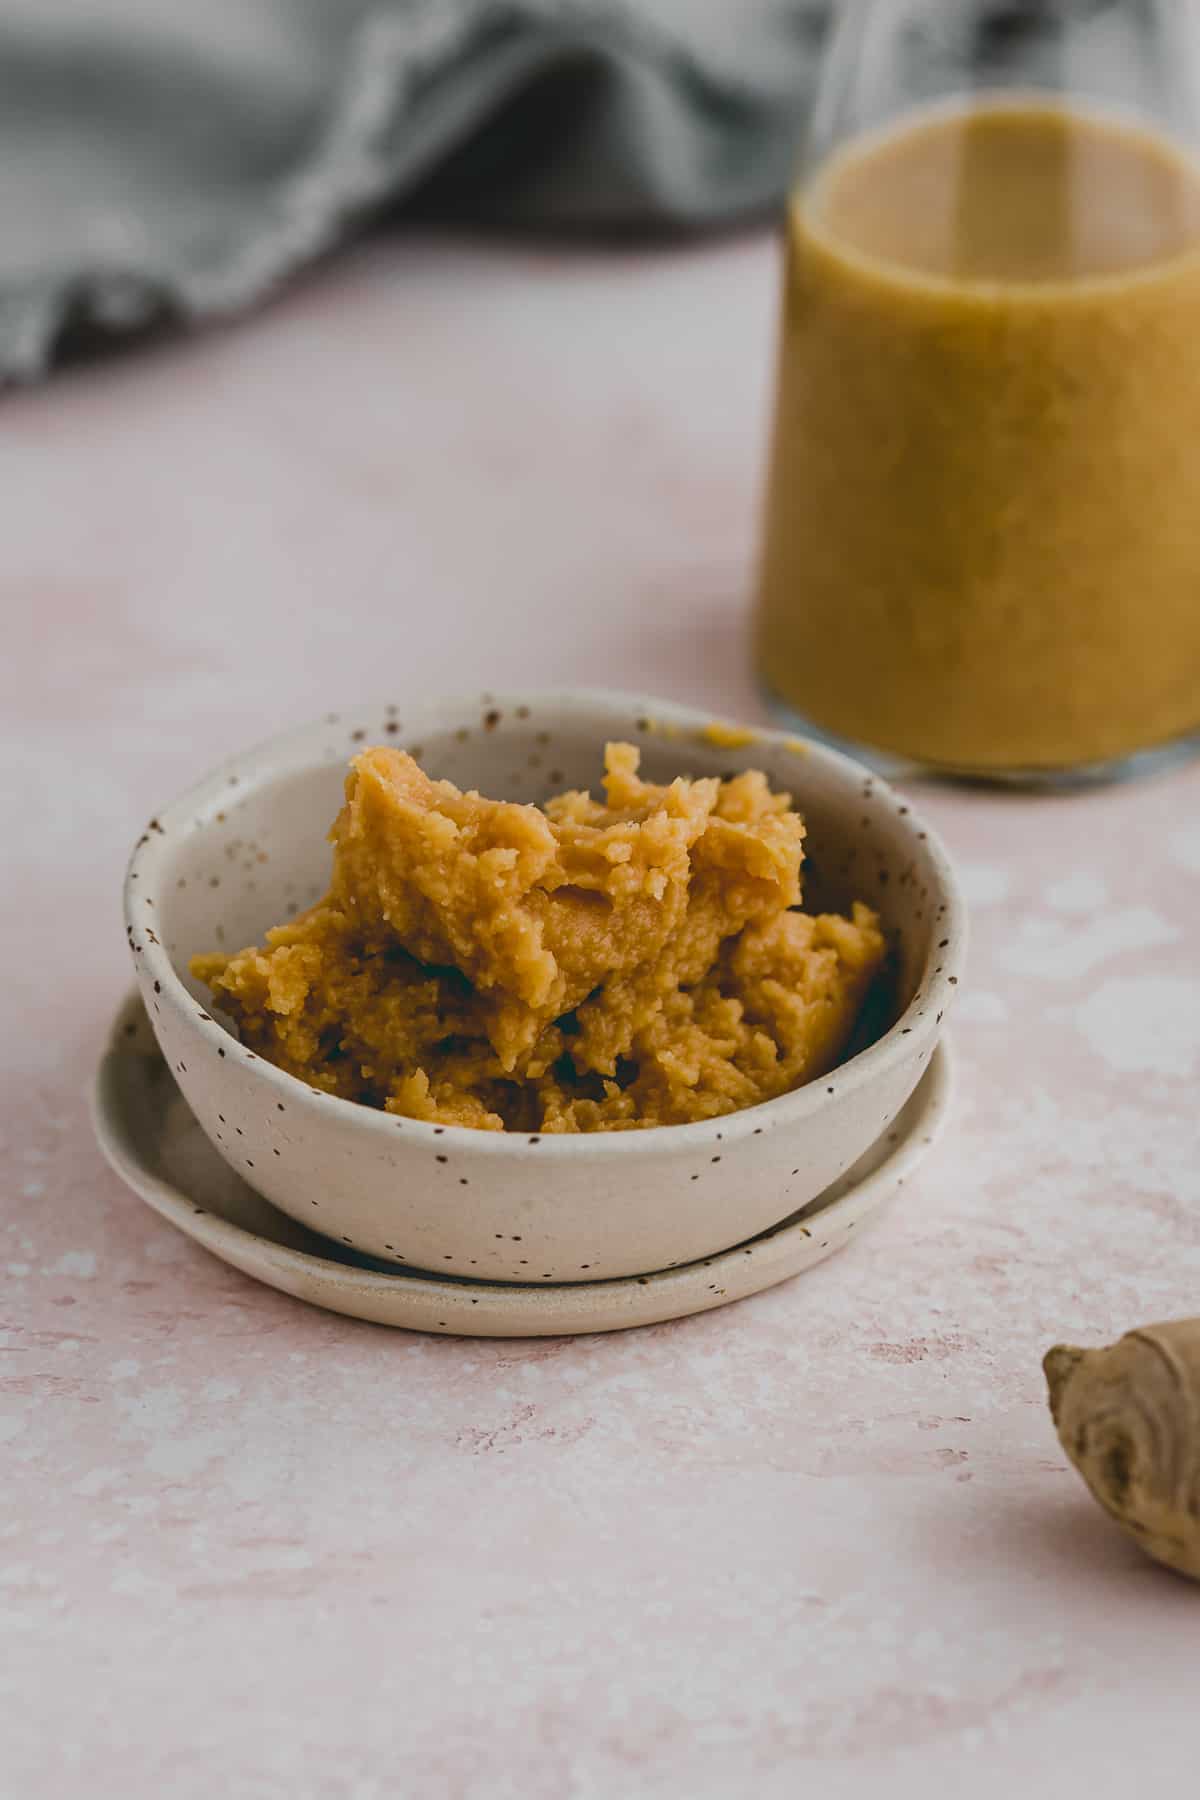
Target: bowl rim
920 1020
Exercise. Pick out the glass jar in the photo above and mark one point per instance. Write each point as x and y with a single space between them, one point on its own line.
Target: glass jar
981 549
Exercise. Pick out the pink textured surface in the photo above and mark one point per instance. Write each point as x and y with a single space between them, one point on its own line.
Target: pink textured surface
825 1537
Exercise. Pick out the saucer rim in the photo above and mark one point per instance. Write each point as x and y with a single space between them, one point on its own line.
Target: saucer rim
443 1304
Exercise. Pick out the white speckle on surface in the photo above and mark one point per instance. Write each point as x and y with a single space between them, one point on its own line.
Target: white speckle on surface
252 1478
978 1007
33 1190
125 1369
68 1346
984 884
98 1481
143 1506
18 1269
81 1263
221 1390
136 1584
151 1412
1144 1025
711 1732
1183 847
11 1426
165 1250
1081 892
178 1458
106 1534
1055 950
284 1557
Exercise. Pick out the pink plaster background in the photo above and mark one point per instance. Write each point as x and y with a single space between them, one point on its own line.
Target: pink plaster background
822 1541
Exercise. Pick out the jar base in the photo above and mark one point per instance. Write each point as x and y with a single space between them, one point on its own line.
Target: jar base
1133 767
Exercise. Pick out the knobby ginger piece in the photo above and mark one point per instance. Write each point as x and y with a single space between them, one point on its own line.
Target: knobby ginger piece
1129 1419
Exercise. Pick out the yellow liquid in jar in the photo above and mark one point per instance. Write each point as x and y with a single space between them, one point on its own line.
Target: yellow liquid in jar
982 542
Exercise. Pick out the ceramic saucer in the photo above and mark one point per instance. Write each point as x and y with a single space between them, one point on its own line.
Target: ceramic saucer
152 1140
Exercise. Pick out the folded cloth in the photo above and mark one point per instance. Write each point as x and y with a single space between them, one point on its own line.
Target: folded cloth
179 158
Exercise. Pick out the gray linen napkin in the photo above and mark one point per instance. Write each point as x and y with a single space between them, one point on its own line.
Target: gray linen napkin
162 159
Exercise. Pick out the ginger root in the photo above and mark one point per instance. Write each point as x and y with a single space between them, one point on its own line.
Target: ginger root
1129 1419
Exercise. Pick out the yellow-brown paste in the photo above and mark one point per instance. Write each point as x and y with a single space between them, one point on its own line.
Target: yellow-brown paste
584 966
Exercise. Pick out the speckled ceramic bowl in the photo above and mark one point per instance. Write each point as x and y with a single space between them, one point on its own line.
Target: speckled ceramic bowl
247 846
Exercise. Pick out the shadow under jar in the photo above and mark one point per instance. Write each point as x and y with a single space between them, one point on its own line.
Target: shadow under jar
982 536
